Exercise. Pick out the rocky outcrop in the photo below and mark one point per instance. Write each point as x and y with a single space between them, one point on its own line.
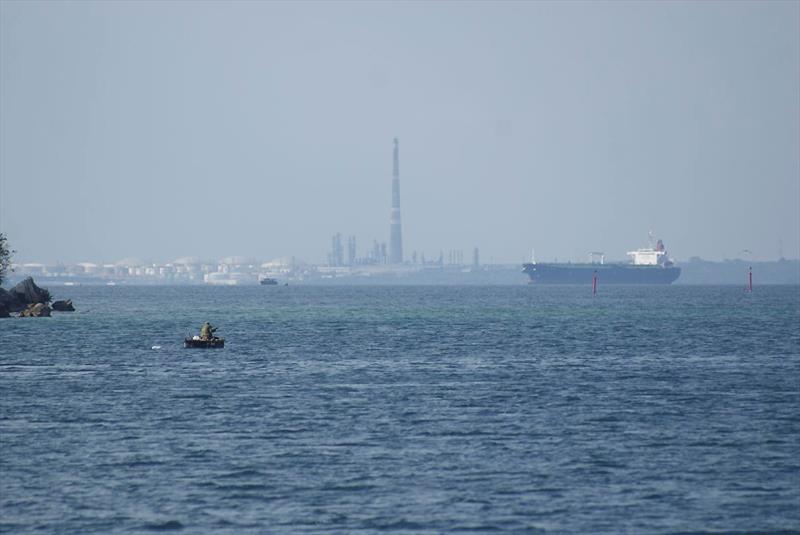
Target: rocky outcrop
30 301
10 302
63 306
4 311
39 310
27 292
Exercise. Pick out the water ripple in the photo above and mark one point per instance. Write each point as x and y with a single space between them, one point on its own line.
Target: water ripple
417 410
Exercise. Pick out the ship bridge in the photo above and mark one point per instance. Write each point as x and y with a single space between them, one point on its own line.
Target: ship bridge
647 257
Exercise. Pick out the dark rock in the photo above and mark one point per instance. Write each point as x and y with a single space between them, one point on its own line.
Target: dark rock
63 306
4 311
10 301
39 310
27 292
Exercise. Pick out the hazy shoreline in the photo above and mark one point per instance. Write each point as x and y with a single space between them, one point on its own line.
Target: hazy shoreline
694 272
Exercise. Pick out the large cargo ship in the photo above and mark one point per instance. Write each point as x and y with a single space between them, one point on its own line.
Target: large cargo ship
647 266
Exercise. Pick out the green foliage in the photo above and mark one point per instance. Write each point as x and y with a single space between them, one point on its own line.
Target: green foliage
5 256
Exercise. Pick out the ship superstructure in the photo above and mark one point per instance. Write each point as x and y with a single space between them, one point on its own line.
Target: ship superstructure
652 256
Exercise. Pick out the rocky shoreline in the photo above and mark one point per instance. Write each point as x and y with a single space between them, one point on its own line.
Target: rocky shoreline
30 301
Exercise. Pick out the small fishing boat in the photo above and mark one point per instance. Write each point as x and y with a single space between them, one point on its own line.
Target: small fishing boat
268 282
196 341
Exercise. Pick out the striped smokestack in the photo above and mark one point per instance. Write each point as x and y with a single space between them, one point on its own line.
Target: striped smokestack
395 236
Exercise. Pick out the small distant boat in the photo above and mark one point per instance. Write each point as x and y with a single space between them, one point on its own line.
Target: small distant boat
196 341
266 281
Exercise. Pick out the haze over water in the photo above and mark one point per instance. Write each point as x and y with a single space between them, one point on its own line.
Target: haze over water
404 409
564 127
159 130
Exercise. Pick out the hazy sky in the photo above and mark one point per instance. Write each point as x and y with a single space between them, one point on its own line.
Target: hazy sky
158 130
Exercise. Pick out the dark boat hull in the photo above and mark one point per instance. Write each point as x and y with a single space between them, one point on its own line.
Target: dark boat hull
606 273
192 343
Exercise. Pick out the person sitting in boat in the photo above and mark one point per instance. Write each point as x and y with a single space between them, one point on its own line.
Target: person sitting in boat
207 331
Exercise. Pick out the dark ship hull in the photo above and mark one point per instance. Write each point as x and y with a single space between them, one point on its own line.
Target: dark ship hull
606 273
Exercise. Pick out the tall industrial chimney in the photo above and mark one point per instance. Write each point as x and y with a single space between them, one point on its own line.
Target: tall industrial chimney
395 237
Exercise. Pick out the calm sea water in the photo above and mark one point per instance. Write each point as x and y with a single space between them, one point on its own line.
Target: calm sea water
404 409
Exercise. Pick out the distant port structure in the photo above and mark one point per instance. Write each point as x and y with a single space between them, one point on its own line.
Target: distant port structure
387 257
384 263
380 253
